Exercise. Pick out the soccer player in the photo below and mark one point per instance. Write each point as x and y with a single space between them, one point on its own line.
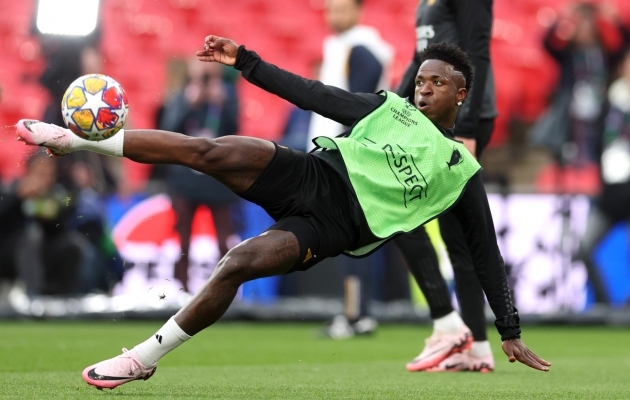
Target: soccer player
390 174
468 24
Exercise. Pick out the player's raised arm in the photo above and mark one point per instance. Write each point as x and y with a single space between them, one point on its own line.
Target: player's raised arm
329 101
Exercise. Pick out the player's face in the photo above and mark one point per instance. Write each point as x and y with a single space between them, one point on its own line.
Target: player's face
342 15
438 90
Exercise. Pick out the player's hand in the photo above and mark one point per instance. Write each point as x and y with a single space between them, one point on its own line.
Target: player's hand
218 49
471 144
515 349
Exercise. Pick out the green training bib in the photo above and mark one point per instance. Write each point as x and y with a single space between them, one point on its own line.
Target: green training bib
404 171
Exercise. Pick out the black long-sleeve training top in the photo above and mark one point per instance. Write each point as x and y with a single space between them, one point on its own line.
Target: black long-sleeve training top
346 108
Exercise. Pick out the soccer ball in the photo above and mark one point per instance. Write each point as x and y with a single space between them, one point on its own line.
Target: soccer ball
95 107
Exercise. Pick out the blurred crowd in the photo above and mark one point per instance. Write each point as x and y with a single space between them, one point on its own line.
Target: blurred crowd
589 43
586 127
56 217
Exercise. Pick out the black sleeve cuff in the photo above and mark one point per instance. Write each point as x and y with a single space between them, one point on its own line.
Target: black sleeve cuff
509 326
238 64
245 59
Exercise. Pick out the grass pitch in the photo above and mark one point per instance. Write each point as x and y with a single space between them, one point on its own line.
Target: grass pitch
287 361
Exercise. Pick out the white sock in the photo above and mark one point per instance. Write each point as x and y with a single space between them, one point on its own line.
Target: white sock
450 323
480 349
166 339
112 146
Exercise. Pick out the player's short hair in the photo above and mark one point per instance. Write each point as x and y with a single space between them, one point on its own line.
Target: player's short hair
451 54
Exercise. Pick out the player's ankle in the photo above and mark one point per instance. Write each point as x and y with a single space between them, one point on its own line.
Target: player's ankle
167 338
109 147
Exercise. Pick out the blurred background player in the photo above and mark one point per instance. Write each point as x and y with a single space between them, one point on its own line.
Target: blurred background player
207 107
468 24
357 59
585 42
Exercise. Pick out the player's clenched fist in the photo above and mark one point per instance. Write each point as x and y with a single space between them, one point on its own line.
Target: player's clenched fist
218 49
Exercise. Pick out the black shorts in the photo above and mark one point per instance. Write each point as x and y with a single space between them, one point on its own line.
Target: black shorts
307 197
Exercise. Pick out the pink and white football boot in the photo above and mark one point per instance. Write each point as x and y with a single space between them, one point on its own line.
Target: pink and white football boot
465 361
117 371
439 346
57 140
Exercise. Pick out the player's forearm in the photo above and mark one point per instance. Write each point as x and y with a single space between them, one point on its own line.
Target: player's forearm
473 213
331 102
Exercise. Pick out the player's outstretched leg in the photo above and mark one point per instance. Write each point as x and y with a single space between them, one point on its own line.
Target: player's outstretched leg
235 161
272 253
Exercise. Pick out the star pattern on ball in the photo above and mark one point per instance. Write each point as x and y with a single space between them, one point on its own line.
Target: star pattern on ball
95 107
94 102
